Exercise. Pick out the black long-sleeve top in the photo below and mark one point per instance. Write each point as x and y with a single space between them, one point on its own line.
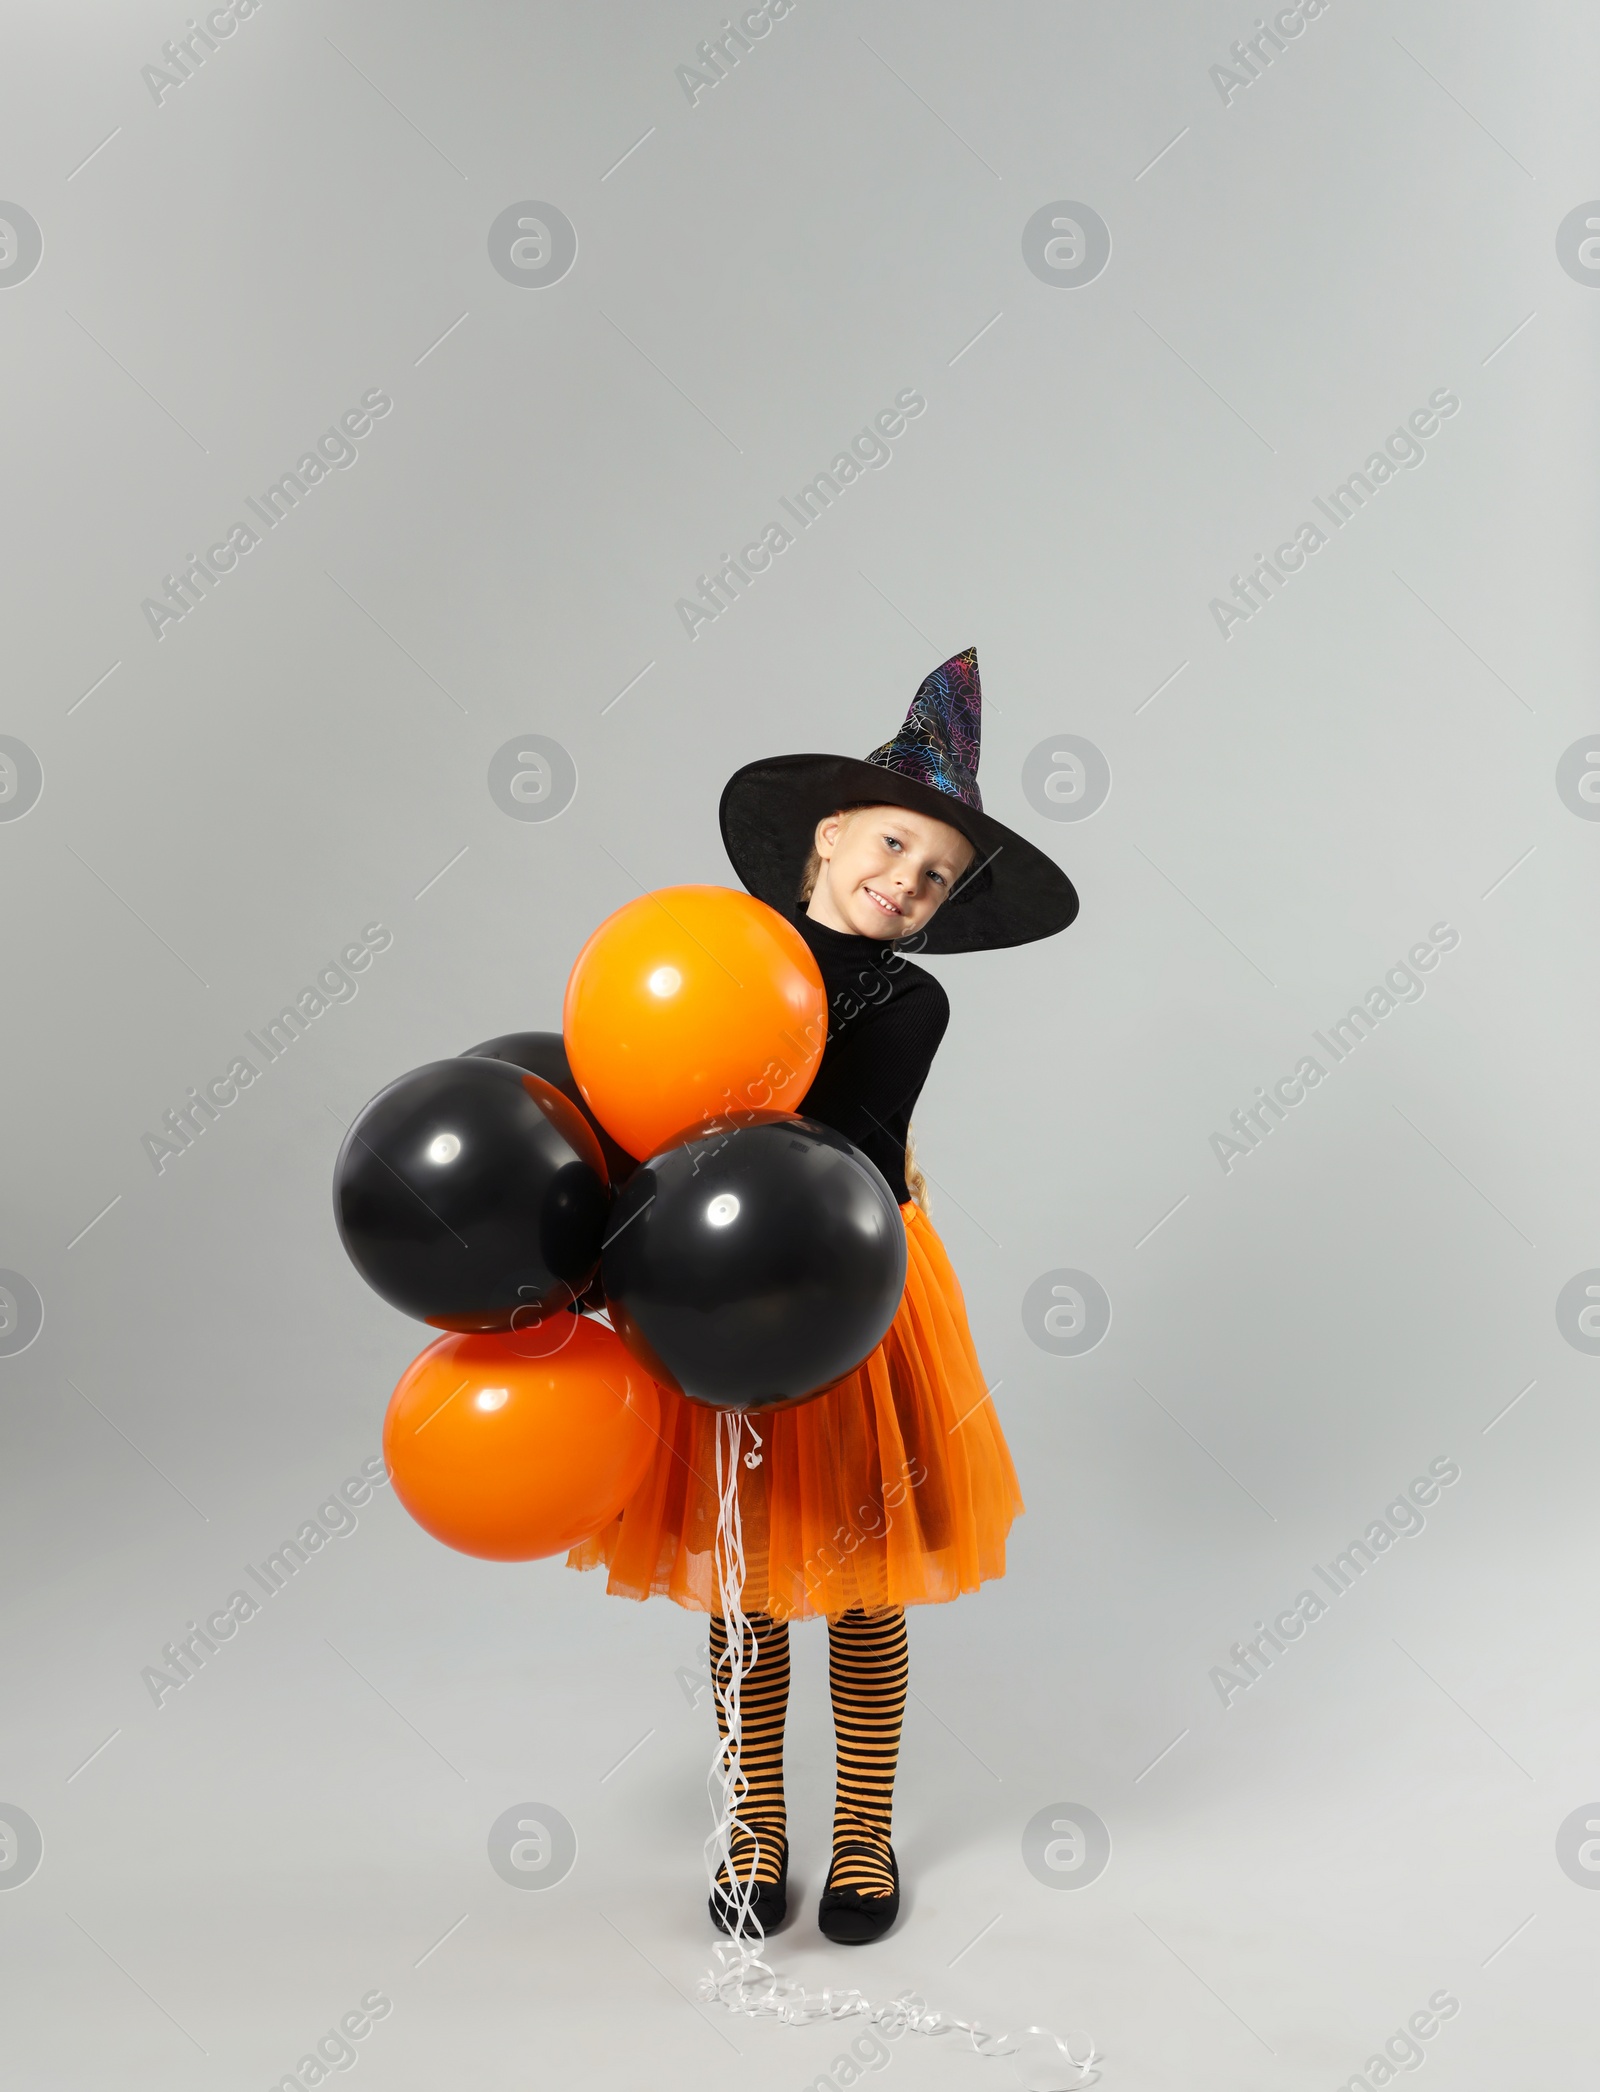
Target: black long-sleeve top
886 1017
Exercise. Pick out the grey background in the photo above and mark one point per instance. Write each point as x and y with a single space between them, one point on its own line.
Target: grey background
225 808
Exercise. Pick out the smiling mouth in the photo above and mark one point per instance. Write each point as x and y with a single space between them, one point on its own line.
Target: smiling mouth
886 906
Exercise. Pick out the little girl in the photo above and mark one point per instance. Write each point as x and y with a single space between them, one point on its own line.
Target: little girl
894 1487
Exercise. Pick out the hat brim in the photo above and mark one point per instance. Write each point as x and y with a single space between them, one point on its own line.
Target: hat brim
1013 893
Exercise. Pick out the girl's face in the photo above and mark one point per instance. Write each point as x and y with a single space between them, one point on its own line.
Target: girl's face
885 871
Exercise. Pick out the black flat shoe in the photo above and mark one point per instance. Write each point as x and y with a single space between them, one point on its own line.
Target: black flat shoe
850 1917
769 1902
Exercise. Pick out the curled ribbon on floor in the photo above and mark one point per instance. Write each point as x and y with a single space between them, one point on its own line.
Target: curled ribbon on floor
742 1979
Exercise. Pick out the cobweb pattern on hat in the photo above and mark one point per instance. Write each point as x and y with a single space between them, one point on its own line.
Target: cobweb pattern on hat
938 743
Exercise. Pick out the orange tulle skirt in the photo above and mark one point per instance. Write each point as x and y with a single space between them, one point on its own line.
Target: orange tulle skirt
895 1487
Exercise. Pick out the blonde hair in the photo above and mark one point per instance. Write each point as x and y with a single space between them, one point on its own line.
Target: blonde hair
916 1182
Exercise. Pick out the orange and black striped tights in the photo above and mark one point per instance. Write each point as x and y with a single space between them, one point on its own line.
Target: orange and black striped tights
867 1673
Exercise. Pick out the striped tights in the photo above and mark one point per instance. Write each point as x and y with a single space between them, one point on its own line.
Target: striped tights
868 1667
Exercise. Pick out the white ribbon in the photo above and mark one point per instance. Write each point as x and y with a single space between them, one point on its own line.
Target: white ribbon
742 1979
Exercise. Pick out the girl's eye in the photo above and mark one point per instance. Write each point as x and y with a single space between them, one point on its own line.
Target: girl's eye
939 876
892 841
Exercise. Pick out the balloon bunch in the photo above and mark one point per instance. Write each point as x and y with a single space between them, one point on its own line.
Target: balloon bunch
750 1261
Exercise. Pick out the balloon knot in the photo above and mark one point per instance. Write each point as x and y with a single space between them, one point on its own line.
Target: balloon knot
752 1459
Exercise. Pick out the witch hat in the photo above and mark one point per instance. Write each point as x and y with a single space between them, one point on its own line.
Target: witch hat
1011 894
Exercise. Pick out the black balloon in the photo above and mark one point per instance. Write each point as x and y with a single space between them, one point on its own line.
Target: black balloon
755 1264
544 1053
472 1195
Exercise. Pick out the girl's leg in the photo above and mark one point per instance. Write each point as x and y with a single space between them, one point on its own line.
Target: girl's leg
868 1665
764 1701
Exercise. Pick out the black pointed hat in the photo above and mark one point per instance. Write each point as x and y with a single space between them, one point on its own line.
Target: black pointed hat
1011 894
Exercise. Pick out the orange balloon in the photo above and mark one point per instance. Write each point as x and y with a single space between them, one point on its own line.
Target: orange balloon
688 1005
520 1445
